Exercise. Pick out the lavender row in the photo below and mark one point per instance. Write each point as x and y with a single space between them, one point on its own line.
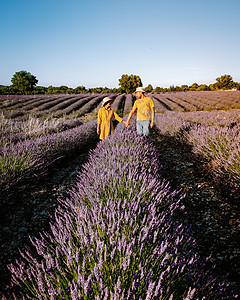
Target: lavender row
12 131
112 96
169 103
220 118
128 103
7 101
51 104
118 102
177 101
117 236
220 148
76 105
216 147
32 158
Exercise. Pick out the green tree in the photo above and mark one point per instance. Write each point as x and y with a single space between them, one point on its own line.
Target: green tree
24 82
157 89
194 87
171 88
184 88
129 83
203 87
40 90
148 89
63 89
80 90
225 82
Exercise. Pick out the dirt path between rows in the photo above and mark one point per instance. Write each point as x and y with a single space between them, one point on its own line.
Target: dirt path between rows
214 220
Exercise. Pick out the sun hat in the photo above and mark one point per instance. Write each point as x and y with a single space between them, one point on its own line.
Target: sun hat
106 100
139 89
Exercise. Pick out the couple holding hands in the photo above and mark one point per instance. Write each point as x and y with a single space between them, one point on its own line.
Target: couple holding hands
145 115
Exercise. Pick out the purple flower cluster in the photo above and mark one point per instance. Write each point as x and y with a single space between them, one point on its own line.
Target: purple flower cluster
32 158
216 146
220 118
117 235
13 131
220 147
168 124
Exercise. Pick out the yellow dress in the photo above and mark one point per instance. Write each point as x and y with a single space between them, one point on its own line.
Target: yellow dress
105 117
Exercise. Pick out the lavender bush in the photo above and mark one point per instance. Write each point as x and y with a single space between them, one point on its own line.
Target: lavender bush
220 147
118 102
220 118
128 104
13 131
32 158
117 236
215 146
168 124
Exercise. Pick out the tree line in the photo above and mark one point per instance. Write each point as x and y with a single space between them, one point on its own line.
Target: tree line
24 83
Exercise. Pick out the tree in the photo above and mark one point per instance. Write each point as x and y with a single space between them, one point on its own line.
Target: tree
184 88
172 88
193 87
148 89
129 83
80 90
24 82
157 89
40 90
224 82
203 87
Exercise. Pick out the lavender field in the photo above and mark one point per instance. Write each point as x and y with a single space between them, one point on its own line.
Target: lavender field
120 233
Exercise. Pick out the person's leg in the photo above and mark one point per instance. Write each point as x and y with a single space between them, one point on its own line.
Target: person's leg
146 128
139 127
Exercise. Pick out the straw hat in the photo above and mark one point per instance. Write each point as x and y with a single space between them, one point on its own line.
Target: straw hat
106 100
139 89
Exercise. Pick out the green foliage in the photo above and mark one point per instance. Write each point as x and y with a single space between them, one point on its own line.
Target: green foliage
194 87
80 90
184 88
129 83
224 82
40 90
24 82
203 87
148 89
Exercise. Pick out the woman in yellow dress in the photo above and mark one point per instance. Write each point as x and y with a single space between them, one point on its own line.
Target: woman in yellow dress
105 117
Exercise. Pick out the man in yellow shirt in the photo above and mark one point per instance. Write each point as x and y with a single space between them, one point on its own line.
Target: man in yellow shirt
105 117
145 113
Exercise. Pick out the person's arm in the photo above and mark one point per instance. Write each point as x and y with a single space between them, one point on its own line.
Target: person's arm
99 121
153 115
116 116
98 129
119 119
130 115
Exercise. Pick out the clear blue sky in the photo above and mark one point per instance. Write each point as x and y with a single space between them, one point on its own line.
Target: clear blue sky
93 42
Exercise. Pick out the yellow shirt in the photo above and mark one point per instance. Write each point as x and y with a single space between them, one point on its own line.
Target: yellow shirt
105 117
143 107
